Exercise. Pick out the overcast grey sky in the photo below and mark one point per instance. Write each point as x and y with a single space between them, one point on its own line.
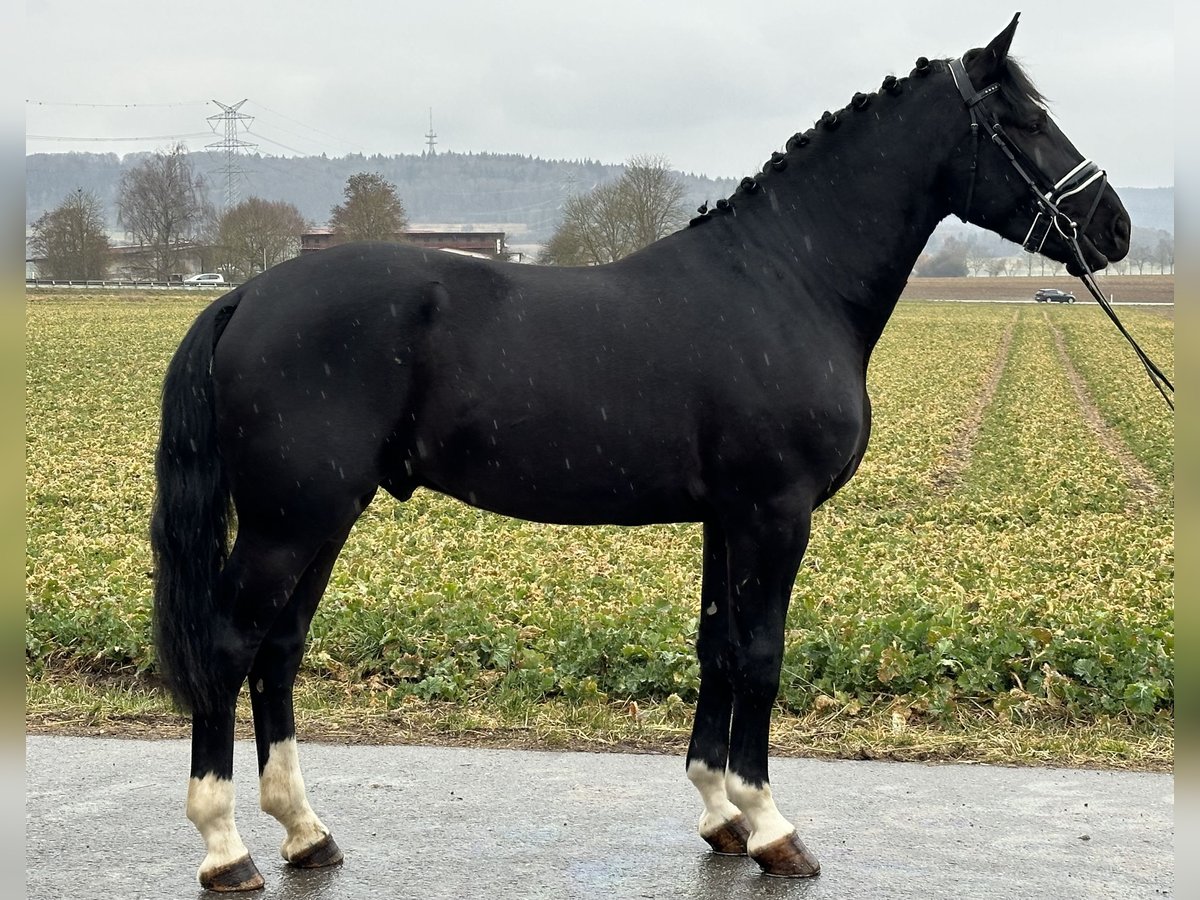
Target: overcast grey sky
713 86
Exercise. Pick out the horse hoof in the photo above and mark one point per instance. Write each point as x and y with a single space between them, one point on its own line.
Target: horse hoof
730 839
324 852
787 858
240 875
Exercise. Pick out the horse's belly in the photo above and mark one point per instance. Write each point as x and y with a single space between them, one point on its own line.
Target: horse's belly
580 506
562 477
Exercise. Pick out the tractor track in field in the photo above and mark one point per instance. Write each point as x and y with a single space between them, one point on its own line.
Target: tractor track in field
1143 491
947 474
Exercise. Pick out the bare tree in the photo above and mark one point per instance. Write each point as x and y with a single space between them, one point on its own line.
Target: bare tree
595 229
1164 254
1141 253
949 261
371 210
997 266
161 206
615 219
256 234
71 239
654 198
976 257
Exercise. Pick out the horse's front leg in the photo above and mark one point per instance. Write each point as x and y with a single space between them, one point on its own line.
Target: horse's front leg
764 555
722 824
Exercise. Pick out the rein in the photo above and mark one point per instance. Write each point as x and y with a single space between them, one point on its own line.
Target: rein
1049 212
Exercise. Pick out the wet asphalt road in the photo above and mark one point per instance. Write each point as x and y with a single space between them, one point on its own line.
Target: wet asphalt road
105 819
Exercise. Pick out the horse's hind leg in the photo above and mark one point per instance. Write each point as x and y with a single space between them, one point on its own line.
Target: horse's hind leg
721 824
257 581
308 843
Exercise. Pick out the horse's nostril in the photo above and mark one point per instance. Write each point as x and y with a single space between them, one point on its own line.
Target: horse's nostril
1121 229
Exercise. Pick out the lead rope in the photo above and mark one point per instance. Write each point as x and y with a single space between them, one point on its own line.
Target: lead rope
1157 377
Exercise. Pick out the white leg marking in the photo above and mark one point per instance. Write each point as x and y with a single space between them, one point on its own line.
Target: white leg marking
711 785
766 824
281 792
210 808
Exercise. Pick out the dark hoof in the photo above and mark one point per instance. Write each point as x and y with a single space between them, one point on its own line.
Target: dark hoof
324 852
730 839
787 858
241 875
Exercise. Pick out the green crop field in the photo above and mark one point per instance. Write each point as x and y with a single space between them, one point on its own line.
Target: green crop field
1003 560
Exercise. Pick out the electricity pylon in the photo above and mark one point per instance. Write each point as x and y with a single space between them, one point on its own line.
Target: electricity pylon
231 144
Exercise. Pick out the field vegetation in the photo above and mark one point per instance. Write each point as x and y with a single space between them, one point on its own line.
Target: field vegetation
996 583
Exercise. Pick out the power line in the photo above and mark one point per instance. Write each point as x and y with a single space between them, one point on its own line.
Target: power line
294 121
118 105
353 147
144 137
276 143
294 134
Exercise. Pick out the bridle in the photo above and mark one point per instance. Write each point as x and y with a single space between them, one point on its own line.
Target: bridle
1048 202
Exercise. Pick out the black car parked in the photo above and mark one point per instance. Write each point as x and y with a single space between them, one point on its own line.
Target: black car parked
1053 295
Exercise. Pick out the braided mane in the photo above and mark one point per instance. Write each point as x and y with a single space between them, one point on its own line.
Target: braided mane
1015 86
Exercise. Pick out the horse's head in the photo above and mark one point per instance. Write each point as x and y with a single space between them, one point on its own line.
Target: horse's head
1017 174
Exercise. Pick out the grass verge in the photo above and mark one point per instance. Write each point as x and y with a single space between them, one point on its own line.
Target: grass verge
345 713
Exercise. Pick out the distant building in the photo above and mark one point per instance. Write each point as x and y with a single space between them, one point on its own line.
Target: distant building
484 243
130 263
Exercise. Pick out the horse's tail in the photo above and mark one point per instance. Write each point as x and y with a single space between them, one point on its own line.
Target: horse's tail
189 527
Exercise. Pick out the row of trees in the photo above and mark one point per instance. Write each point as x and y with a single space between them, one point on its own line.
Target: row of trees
1149 252
161 205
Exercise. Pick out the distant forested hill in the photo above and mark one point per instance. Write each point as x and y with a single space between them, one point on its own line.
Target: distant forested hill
449 188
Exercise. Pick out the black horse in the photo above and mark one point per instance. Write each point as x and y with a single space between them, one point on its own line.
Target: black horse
717 376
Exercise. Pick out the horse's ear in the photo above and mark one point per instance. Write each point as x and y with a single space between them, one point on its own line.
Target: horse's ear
984 66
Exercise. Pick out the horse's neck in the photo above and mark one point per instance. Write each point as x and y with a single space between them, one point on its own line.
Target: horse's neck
853 209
